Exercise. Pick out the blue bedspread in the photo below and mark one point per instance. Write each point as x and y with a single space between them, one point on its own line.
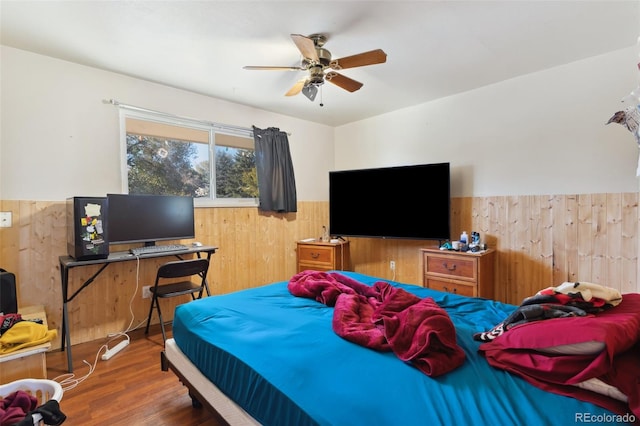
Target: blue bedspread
277 356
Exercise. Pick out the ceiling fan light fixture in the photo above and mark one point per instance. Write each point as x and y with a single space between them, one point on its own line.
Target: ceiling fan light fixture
316 75
310 91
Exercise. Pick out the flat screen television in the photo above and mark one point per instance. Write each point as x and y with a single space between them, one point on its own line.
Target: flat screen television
149 218
411 202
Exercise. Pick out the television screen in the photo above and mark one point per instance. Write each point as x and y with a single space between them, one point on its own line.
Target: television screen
149 218
410 202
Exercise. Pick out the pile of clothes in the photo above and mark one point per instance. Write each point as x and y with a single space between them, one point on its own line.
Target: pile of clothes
578 339
570 299
18 409
17 333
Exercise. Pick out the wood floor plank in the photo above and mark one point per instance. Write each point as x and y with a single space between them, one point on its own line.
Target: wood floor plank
128 389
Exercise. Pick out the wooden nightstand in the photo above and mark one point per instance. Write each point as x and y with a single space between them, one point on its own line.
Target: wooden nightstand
319 256
467 274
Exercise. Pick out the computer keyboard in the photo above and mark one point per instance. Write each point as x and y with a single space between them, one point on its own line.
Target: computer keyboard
162 248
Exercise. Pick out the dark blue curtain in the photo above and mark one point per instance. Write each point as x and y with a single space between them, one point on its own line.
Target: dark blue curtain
276 181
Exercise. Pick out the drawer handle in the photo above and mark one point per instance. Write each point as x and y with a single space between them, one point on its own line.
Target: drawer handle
446 289
450 268
315 255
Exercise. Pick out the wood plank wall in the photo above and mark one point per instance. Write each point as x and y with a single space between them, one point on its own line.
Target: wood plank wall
542 240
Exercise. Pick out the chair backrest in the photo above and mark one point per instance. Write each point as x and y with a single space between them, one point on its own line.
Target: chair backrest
184 268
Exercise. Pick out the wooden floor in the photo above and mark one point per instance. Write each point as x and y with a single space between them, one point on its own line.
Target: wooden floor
128 389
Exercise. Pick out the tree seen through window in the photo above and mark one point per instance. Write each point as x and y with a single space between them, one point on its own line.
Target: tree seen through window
176 167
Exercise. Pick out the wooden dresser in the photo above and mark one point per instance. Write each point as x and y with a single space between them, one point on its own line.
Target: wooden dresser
321 256
467 274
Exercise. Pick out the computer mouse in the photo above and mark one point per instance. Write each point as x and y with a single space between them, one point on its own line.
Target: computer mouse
196 244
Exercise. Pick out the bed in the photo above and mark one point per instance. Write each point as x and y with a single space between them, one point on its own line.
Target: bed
266 356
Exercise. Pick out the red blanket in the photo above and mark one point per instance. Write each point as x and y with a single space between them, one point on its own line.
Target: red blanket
524 350
385 318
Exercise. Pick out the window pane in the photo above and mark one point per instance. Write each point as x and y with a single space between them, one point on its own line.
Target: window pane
236 173
210 162
166 166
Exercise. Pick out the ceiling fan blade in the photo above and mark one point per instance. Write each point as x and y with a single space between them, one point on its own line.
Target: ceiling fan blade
306 46
268 68
340 80
297 88
366 58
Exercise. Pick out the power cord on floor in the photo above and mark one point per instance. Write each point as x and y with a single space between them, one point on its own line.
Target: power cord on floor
69 381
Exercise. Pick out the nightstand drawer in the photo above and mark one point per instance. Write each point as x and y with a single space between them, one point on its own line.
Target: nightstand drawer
451 266
451 287
320 254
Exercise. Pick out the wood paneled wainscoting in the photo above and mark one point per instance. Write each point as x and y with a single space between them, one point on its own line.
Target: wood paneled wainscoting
541 240
255 248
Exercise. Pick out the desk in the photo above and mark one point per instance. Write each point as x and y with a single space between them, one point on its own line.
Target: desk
67 263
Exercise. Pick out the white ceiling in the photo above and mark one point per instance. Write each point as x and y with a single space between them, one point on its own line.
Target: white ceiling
435 48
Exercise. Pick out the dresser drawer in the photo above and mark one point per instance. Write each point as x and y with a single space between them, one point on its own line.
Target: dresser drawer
450 266
467 274
315 254
451 287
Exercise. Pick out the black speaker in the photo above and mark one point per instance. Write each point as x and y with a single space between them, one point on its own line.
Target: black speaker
87 228
8 295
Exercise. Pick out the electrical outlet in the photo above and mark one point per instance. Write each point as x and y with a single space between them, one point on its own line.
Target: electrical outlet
5 219
392 265
146 293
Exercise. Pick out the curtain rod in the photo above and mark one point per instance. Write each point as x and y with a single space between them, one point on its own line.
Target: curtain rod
220 126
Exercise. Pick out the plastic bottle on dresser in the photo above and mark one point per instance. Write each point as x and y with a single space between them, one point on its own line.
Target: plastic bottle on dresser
464 238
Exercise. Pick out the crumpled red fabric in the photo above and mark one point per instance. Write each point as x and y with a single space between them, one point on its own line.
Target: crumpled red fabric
15 406
521 351
385 318
325 287
419 331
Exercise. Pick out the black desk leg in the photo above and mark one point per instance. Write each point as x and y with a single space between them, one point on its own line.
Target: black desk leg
66 335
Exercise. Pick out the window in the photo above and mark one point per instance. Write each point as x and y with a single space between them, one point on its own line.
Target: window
171 156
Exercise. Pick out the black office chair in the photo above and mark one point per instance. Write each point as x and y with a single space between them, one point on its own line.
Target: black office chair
178 269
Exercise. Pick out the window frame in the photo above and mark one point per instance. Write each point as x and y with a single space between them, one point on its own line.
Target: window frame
211 128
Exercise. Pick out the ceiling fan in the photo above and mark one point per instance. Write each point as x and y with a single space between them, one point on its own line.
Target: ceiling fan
316 60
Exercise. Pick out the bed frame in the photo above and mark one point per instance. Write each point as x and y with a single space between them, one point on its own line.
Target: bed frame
224 409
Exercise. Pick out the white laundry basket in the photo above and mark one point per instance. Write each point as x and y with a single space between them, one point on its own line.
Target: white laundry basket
43 389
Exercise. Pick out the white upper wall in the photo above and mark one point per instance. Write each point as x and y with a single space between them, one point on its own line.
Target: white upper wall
543 133
58 139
